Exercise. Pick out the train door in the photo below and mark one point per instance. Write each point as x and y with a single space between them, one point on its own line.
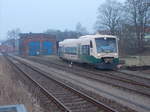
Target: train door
79 50
91 48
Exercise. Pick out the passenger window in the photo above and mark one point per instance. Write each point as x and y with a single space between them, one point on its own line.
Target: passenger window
71 50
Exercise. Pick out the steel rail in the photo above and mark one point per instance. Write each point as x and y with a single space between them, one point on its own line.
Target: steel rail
81 94
111 77
45 92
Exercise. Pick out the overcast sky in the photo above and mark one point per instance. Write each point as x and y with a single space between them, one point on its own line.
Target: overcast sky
39 15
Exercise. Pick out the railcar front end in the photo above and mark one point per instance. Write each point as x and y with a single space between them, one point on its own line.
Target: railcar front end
107 52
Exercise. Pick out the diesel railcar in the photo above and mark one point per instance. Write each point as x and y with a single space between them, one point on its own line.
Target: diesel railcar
98 50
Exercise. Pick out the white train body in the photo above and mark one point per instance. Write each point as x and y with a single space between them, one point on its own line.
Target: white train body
98 50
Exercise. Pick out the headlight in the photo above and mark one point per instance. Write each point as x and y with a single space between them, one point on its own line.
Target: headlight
99 55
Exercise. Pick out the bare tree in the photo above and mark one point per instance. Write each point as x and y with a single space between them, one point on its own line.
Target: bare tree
12 37
80 29
13 34
138 12
61 35
109 16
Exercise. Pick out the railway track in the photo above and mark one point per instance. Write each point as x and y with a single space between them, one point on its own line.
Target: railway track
66 98
125 81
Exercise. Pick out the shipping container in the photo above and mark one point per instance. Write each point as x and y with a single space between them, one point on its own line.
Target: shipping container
33 44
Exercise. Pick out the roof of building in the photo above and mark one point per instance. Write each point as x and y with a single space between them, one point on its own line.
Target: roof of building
25 35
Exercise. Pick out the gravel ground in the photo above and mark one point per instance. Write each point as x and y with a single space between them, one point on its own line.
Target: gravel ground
138 73
146 71
13 91
129 99
143 73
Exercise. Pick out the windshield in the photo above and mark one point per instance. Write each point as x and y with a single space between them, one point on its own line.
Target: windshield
106 45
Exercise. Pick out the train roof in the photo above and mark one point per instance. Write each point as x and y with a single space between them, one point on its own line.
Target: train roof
85 38
69 41
97 36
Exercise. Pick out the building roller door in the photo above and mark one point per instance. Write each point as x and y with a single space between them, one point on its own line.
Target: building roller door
34 48
47 48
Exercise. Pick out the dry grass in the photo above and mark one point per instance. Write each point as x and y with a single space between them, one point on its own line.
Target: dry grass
137 60
14 92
